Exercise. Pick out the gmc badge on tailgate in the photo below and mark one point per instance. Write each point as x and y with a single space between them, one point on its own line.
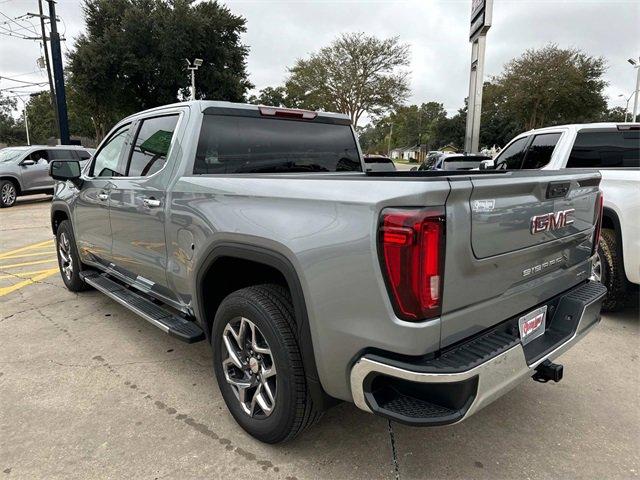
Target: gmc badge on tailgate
551 221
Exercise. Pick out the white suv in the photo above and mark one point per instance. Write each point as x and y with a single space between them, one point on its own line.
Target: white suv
614 150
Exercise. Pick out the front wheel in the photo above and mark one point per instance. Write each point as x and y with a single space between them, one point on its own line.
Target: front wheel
68 258
258 365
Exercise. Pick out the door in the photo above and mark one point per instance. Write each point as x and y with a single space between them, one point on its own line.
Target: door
92 227
35 176
137 206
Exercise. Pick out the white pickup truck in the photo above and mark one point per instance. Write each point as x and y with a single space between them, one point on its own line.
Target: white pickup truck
614 150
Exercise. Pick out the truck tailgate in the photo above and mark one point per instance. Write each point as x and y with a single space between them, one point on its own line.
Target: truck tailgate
513 241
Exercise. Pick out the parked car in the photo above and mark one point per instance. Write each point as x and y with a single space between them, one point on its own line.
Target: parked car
25 170
257 229
614 150
378 163
453 161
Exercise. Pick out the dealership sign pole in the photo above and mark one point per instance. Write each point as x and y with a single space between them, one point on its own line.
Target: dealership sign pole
481 12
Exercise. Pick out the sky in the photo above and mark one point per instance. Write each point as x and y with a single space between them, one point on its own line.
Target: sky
279 32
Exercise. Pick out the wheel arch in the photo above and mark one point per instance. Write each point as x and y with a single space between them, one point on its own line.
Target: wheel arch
610 220
264 261
59 213
15 180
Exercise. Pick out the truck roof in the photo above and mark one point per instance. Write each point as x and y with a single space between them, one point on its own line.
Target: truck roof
203 105
582 126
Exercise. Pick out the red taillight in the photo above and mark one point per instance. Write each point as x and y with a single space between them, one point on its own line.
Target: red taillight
411 247
288 112
598 213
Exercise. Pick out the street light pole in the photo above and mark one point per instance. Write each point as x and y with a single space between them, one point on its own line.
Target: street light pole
626 107
637 90
196 63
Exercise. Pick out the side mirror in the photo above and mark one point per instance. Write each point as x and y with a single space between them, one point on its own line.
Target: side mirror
64 170
414 169
27 162
487 165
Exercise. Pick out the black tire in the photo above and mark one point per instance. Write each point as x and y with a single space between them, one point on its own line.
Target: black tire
612 268
8 193
270 309
66 242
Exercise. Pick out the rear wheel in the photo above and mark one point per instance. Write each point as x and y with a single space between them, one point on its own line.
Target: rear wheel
8 193
68 258
608 269
258 364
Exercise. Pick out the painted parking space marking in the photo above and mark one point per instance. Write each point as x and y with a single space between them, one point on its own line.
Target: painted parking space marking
12 275
46 243
25 264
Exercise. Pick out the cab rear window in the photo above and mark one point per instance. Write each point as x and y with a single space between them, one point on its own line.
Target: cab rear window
244 144
612 149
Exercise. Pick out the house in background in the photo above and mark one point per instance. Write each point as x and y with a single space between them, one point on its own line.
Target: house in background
415 153
396 153
449 149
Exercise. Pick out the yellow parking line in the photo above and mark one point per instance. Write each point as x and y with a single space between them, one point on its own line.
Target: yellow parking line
23 249
27 263
29 281
20 255
23 274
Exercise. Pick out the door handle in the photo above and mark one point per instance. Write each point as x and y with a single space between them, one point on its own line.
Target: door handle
151 202
103 196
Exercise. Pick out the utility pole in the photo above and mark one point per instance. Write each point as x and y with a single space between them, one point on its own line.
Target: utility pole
54 104
389 144
58 75
481 14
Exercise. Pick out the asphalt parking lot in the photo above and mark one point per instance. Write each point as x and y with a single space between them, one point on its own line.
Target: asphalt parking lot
88 390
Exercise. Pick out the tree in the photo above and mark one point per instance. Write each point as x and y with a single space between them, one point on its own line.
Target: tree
42 123
412 125
451 131
552 86
132 56
12 131
615 114
497 125
271 96
355 74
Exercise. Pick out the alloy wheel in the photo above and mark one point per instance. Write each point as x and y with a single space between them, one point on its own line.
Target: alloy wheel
249 367
8 193
66 261
596 268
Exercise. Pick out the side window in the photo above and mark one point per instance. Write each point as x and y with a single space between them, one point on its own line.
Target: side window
106 160
60 154
151 146
614 149
39 155
511 157
540 151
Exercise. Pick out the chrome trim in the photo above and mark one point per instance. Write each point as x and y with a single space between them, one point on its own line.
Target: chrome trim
496 376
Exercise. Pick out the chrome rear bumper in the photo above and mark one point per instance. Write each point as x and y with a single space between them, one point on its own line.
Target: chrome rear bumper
495 376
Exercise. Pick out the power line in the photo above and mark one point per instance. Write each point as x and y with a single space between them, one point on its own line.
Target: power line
20 81
9 33
15 20
10 89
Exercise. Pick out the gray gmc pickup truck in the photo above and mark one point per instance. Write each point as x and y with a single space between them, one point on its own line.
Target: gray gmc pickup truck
419 296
